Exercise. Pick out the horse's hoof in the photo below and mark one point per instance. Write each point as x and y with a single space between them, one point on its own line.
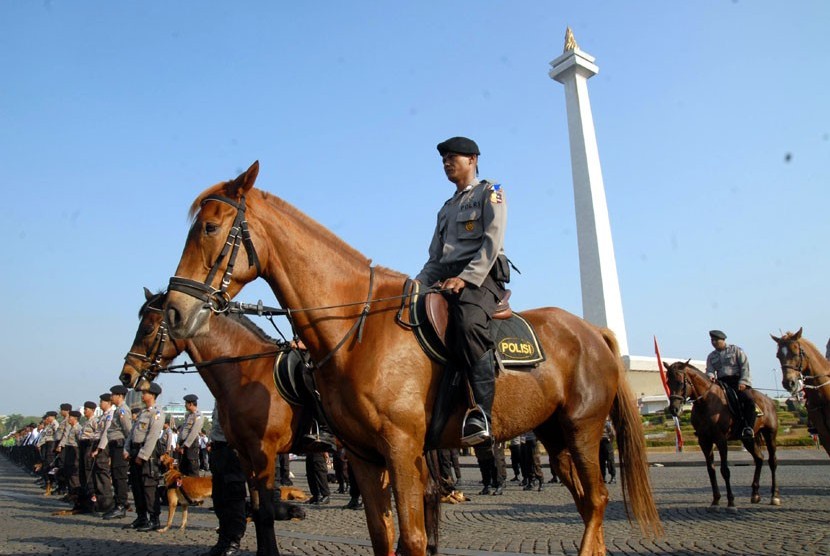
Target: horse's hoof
775 501
713 509
731 509
755 498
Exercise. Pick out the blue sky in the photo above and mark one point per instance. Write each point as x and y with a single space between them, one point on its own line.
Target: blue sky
712 122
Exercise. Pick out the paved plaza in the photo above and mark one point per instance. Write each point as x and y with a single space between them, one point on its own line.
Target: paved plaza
518 522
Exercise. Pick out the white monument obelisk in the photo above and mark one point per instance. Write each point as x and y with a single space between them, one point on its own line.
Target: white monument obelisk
601 299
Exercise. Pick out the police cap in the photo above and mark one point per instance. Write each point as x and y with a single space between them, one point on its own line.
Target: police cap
119 389
105 397
135 410
90 405
717 335
191 398
66 407
75 414
51 414
154 388
460 145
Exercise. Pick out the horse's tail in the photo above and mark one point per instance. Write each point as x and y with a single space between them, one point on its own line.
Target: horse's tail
631 444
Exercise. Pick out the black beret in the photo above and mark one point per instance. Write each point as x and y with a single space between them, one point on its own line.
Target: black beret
75 414
51 414
66 407
460 145
717 335
90 405
154 388
119 389
191 398
135 410
105 397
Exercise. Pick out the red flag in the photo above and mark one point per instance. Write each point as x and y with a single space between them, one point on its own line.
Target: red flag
678 436
660 367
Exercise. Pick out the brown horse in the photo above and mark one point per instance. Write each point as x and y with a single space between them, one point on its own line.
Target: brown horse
713 424
802 362
378 387
260 428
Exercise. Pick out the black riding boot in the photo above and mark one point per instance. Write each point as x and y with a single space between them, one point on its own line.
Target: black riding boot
482 379
749 424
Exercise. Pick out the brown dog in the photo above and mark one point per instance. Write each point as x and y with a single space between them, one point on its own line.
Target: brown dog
293 493
182 490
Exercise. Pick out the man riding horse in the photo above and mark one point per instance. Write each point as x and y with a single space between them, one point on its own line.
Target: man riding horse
728 364
466 258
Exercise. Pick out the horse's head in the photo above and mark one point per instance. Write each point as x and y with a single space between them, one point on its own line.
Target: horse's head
152 349
794 363
207 276
679 389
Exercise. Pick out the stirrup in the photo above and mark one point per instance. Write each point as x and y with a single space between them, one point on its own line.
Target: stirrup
479 436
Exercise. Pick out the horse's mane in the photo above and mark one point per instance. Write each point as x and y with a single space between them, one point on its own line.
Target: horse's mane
252 326
806 345
255 194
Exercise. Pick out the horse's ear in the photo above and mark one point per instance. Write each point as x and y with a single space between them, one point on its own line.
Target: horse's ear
243 182
776 339
147 294
797 335
687 361
666 365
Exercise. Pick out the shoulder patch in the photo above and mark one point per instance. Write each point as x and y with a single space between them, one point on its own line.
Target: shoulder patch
497 194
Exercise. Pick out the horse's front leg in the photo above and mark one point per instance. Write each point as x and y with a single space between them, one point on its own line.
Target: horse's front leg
373 480
709 455
726 474
408 475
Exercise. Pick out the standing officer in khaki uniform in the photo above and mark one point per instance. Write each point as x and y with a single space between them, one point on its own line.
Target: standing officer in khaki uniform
101 466
68 448
46 448
86 444
466 257
143 450
119 429
189 437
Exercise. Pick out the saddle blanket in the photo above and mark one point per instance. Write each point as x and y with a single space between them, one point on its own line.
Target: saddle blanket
516 341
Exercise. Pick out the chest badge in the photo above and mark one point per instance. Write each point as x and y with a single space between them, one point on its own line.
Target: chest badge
470 226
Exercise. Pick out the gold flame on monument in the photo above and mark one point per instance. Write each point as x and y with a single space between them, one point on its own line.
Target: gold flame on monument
570 41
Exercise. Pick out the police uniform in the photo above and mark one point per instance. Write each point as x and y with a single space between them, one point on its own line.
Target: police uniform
119 428
46 447
731 366
229 494
468 243
606 452
143 444
101 466
189 439
86 444
68 447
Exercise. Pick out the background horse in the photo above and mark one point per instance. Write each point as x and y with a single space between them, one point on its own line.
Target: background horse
256 420
802 361
376 384
713 424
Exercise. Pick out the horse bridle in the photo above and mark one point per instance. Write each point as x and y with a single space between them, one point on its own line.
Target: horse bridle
154 354
685 395
218 300
805 377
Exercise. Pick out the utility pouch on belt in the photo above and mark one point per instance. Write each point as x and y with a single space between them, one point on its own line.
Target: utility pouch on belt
501 270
